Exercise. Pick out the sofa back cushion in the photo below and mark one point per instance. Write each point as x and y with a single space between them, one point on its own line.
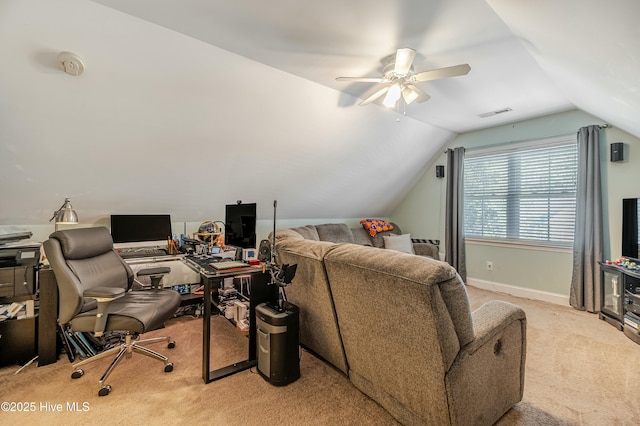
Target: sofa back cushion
311 293
285 233
335 233
308 232
361 236
387 301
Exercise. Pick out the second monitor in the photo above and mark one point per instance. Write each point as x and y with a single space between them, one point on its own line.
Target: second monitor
240 225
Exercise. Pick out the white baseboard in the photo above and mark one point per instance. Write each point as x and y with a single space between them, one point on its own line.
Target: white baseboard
528 293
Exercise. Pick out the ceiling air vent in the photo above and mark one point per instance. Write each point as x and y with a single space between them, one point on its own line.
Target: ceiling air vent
489 114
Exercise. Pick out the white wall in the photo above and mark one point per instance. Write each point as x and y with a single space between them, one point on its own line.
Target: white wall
162 123
544 274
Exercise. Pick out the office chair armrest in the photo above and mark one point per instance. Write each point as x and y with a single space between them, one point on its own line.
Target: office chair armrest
104 296
109 293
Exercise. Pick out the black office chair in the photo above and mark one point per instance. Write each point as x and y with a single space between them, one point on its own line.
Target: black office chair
94 296
155 275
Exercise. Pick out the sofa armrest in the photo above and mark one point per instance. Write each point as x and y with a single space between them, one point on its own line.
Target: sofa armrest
490 319
487 376
426 249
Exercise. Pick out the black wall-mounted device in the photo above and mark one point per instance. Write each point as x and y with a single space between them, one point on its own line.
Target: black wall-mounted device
617 152
439 171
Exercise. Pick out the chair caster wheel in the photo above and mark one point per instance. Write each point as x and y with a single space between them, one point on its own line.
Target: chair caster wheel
104 390
168 368
171 344
77 373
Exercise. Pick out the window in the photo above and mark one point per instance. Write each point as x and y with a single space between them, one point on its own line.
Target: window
524 193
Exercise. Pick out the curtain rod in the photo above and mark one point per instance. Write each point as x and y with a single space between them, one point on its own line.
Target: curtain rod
600 126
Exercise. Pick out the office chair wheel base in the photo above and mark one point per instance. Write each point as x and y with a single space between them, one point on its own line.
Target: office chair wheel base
77 373
171 344
104 390
168 368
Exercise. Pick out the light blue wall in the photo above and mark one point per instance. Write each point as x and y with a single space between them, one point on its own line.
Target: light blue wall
422 212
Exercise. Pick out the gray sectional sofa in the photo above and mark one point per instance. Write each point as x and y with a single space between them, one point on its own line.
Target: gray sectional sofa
341 233
400 326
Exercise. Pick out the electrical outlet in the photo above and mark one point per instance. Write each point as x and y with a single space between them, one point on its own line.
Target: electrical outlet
489 265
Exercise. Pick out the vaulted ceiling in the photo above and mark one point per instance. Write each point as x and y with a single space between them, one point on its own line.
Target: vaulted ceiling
535 57
186 105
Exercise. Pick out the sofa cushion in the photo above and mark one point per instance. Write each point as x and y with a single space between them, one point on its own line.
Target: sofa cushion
308 232
286 233
361 236
399 243
310 292
335 233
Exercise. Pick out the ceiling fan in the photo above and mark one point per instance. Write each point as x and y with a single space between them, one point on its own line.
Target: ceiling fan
398 79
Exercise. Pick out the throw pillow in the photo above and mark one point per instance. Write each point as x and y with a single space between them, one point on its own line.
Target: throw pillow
373 226
399 243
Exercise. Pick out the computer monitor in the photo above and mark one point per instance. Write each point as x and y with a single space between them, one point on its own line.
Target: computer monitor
240 225
136 230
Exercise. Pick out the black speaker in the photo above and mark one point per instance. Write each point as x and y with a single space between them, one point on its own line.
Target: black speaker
617 152
439 171
264 251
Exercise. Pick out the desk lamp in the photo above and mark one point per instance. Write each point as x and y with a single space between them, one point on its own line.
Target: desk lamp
65 215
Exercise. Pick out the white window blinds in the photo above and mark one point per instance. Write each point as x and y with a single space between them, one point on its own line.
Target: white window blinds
524 193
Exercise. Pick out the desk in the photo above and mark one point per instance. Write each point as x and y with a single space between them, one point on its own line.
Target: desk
260 292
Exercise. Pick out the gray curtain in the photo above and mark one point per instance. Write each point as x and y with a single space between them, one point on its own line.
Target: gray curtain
587 245
453 226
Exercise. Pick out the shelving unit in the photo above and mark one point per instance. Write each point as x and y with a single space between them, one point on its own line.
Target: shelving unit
620 288
18 284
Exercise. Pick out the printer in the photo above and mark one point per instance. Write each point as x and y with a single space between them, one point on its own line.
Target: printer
18 265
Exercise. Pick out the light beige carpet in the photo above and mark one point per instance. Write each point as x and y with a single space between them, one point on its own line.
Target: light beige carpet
580 371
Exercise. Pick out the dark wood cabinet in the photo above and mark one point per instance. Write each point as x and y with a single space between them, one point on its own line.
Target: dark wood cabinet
620 287
17 341
48 348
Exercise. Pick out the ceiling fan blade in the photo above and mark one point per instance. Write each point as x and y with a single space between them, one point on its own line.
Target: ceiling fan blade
412 93
404 60
375 96
453 71
362 79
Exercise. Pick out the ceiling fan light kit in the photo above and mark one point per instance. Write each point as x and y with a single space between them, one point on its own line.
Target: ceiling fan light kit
393 94
399 79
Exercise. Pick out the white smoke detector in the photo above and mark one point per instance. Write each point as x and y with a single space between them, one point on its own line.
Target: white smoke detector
71 63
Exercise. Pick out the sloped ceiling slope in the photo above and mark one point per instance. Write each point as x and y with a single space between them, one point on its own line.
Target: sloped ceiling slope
161 122
535 57
589 48
322 40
